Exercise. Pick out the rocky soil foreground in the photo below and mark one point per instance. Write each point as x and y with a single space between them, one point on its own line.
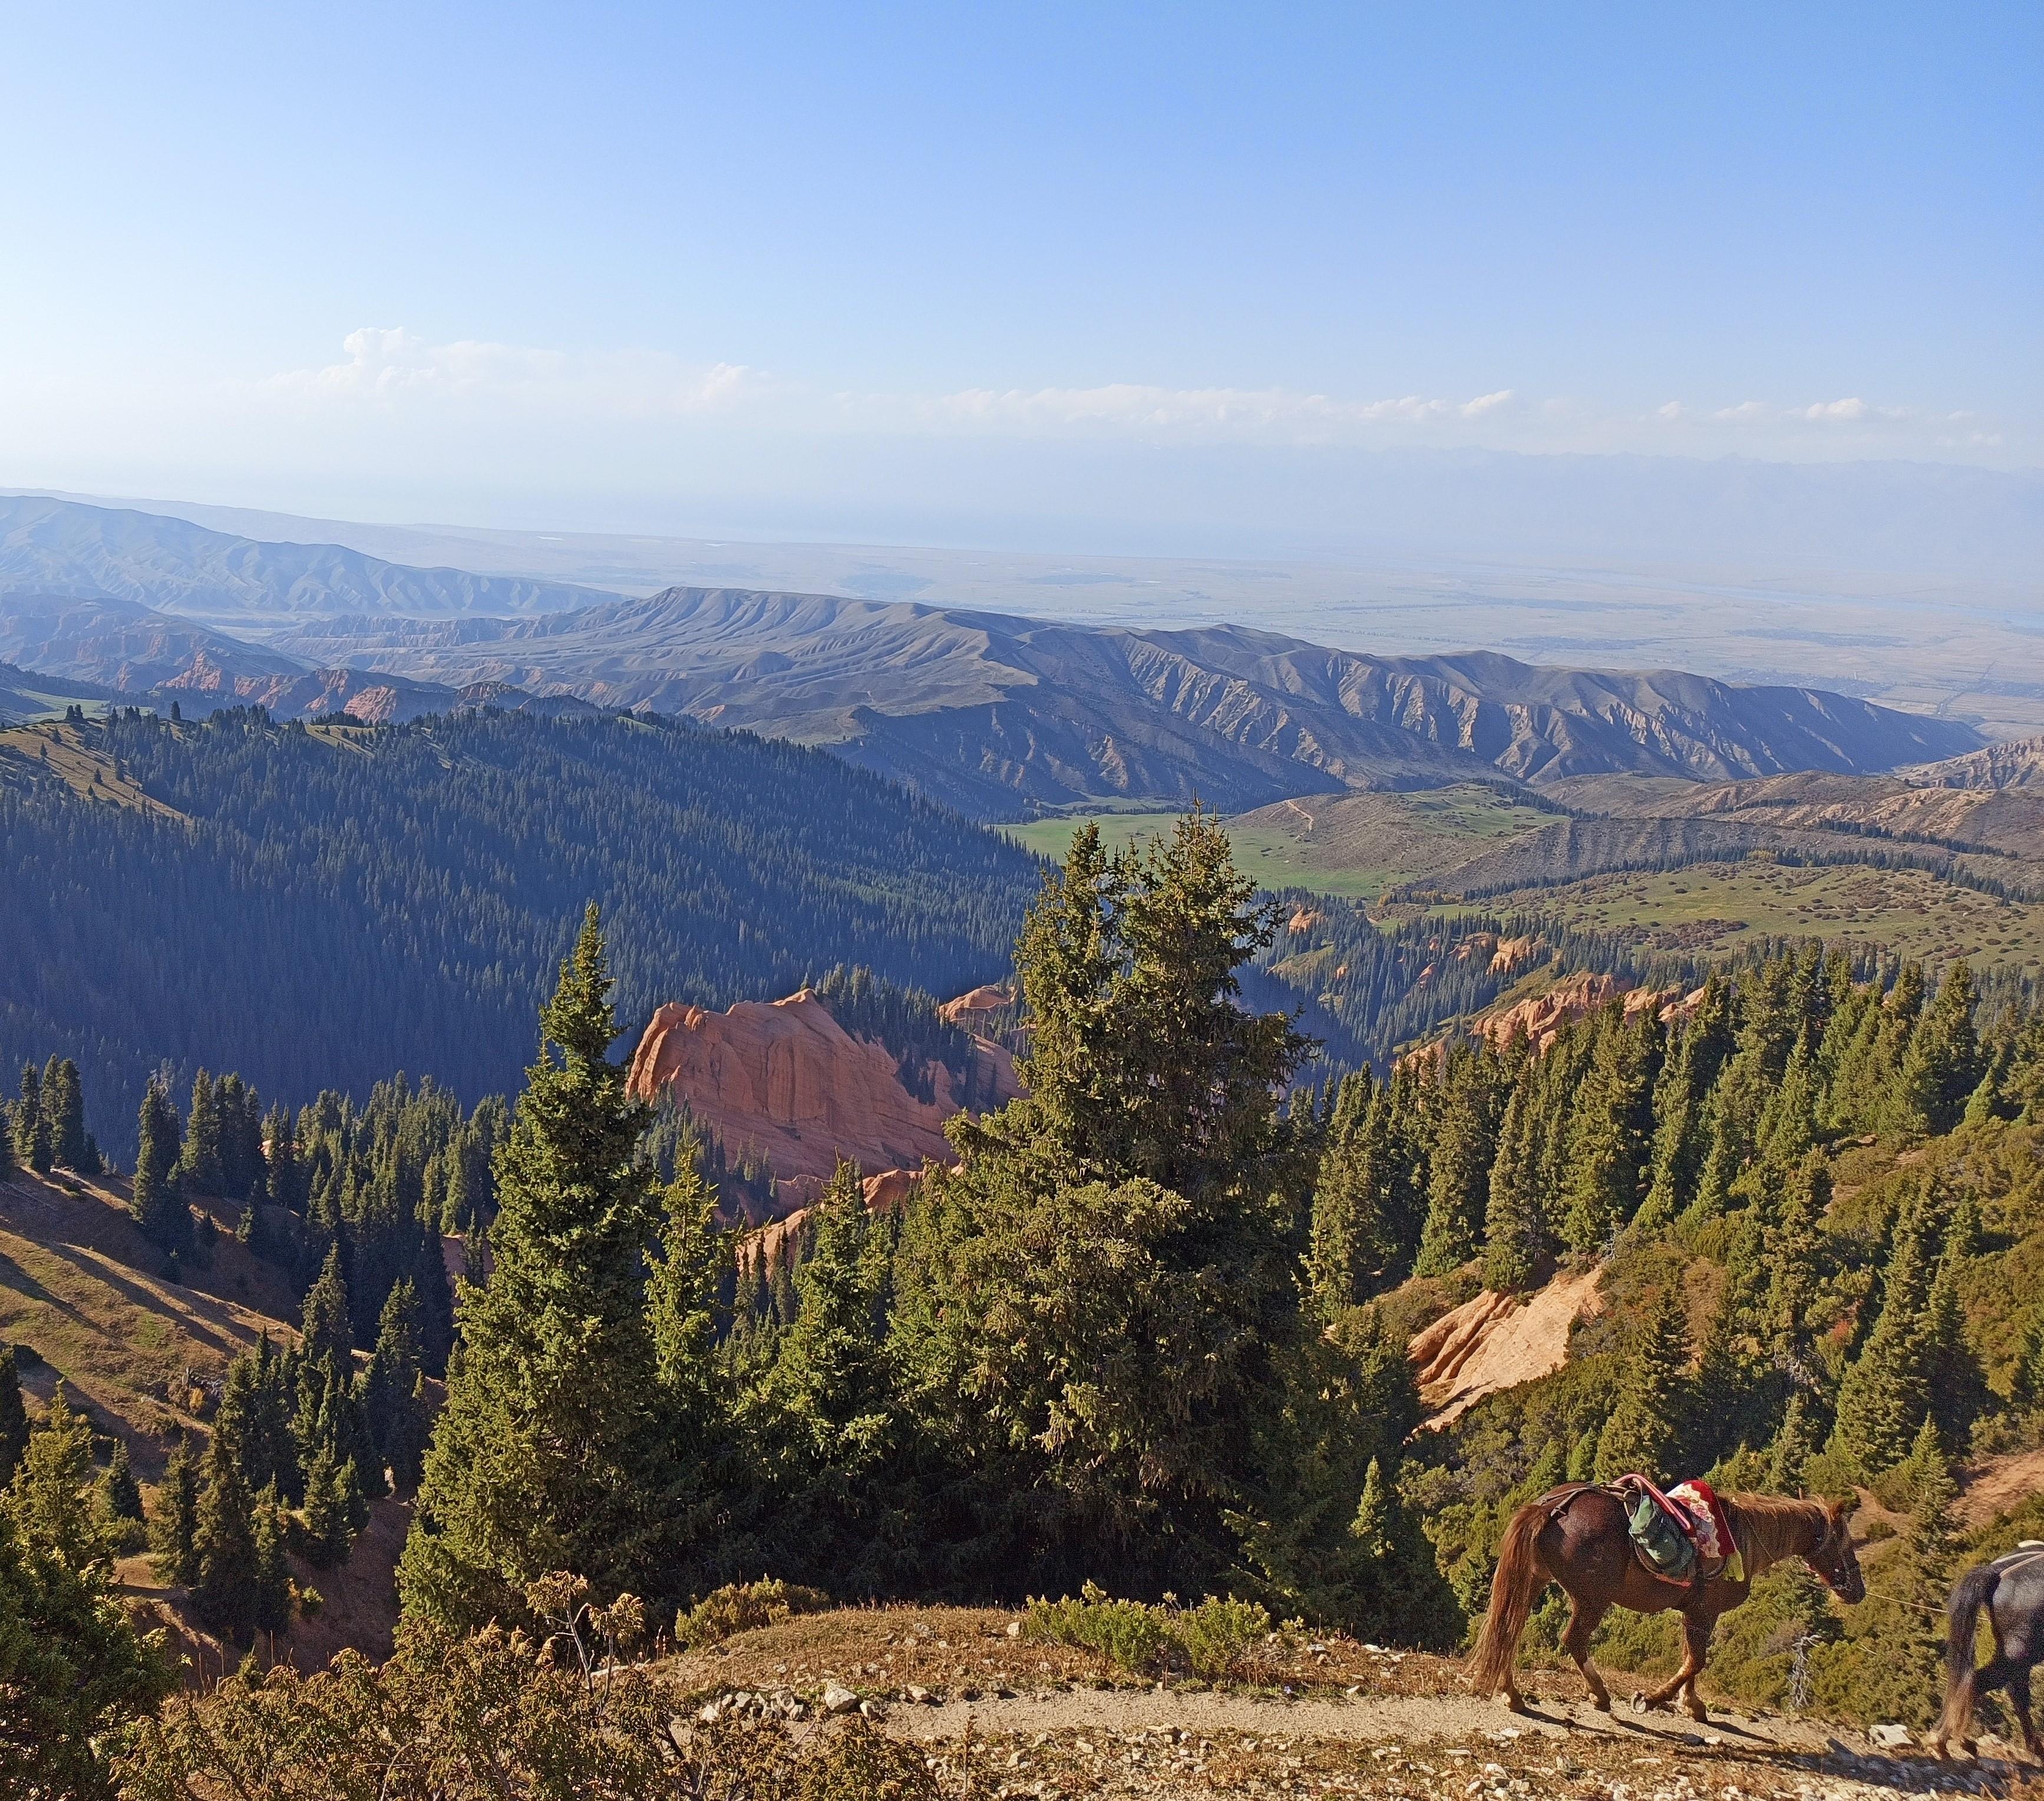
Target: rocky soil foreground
1002 1716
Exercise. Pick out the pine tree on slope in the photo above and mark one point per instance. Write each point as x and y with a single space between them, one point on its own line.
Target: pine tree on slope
155 1200
549 1453
1645 1428
13 1417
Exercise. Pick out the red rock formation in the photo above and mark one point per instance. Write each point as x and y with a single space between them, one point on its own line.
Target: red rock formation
884 1193
1541 1016
986 999
785 1078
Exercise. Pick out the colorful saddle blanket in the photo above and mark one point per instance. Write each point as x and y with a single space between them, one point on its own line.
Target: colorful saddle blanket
1682 1535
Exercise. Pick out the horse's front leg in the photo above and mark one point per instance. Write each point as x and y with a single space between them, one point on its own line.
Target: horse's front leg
1695 1642
1584 1618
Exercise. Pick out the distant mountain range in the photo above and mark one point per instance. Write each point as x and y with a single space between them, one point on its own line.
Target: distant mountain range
996 714
51 547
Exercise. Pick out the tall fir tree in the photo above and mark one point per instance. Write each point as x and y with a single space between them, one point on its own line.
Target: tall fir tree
174 1517
1353 1245
392 1400
225 1586
63 1101
829 1387
1516 1235
1886 1391
13 1416
1646 1427
200 1166
34 1147
52 1495
121 1492
326 1329
1465 1144
154 1198
549 1453
1942 1066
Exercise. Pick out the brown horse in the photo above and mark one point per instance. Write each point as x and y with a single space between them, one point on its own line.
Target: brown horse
1578 1536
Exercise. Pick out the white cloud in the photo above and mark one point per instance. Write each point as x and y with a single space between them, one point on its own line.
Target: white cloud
479 385
391 364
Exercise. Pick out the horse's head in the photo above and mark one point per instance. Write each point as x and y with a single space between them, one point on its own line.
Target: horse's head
1833 1557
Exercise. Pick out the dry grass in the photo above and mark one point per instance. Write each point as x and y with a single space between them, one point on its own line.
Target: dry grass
82 1287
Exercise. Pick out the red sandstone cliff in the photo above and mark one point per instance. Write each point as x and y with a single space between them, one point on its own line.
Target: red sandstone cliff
784 1077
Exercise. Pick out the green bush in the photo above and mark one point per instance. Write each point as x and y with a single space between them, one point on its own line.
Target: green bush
1129 1635
741 1606
1218 1637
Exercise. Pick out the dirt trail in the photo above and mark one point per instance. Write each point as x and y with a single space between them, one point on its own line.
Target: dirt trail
1165 1745
2001 1484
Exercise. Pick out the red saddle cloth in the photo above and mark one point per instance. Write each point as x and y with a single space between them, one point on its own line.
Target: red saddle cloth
1696 1509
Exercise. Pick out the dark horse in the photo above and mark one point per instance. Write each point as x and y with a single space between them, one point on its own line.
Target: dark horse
1578 1537
2012 1589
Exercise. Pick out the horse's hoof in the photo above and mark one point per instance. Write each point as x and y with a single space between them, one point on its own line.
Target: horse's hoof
1517 1703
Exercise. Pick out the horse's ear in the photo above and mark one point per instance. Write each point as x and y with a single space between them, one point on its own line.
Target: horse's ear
1842 1511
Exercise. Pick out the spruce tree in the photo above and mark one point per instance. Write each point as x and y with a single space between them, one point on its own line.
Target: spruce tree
51 1493
682 1291
1795 1245
280 1159
1795 1443
1515 1237
200 1167
1608 1129
828 1386
225 1590
390 1388
1645 1428
255 1418
270 1609
327 1335
13 1417
63 1102
328 1508
549 1453
123 1493
173 1519
1352 1246
34 1147
154 1199
1928 1484
1458 1170
1887 1388
1943 1064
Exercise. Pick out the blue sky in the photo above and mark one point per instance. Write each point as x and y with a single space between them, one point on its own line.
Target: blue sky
810 268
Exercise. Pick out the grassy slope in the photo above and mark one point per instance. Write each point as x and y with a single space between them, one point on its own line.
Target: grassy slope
1709 907
82 1287
1353 845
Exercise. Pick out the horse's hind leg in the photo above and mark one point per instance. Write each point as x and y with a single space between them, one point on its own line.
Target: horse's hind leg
2018 1685
1584 1618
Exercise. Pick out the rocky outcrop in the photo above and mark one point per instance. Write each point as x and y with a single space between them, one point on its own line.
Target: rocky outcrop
1497 1340
784 1078
1541 1016
772 1243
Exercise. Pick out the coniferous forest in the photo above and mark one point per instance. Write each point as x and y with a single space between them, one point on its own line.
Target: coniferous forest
317 909
1152 1327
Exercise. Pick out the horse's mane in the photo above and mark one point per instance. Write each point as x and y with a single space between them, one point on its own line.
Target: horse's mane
1768 1526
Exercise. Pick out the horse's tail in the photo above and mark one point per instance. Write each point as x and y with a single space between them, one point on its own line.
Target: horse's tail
1969 1595
1513 1589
